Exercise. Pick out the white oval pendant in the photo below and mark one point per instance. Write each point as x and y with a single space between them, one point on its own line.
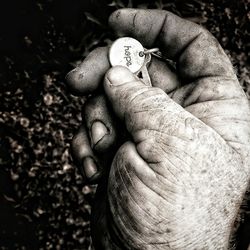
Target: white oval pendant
127 52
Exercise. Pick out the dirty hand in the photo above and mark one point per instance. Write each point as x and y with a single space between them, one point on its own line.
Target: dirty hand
178 178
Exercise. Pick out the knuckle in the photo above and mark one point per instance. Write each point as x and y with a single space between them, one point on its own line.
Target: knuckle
96 109
98 52
94 103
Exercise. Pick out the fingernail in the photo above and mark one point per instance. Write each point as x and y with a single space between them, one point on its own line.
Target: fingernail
98 131
74 82
119 75
90 167
71 76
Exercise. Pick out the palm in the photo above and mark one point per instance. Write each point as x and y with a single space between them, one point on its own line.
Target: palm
148 196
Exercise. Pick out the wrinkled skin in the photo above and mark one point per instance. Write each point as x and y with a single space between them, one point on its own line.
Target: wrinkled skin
178 178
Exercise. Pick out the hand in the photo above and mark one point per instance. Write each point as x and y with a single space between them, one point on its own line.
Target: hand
178 179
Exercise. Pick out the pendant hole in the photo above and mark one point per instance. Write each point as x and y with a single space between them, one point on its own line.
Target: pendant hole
141 53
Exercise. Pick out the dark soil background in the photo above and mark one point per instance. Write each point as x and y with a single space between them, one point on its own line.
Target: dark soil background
44 201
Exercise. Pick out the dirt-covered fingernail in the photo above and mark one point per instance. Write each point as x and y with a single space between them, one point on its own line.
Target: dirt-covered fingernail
98 131
90 167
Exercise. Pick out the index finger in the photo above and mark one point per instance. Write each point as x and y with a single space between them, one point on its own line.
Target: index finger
197 52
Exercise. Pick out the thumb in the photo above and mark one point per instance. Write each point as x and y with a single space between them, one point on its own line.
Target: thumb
142 108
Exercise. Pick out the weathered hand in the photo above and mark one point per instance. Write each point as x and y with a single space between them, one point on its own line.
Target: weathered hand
177 183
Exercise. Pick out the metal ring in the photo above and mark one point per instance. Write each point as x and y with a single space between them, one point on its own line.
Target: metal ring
150 51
